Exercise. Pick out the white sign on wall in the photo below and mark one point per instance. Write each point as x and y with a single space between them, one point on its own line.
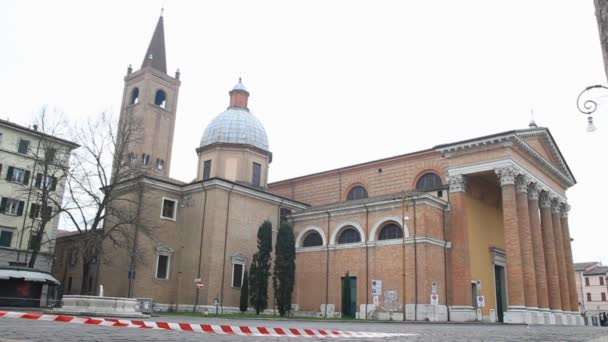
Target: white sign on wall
434 299
481 301
376 287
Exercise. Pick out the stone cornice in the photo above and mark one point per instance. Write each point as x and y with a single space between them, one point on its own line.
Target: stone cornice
421 199
513 139
214 183
407 241
501 164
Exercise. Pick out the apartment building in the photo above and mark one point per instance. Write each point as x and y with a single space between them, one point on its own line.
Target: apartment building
592 288
30 161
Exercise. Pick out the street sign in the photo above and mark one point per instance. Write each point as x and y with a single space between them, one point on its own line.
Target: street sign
434 287
200 285
434 299
478 284
197 280
376 287
481 301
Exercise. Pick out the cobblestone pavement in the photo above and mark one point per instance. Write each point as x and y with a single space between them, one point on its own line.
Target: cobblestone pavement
12 329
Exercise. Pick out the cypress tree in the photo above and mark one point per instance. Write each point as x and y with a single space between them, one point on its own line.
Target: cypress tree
244 294
284 268
260 268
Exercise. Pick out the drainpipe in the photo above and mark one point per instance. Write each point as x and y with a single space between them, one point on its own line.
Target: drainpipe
274 293
225 242
327 263
445 261
200 249
366 259
415 266
403 252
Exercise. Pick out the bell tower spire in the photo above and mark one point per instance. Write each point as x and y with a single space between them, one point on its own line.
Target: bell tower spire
155 55
150 99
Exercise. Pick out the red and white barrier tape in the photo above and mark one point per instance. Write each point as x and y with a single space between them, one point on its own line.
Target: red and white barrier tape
202 328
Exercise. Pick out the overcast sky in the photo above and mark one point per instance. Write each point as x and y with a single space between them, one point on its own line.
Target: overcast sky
334 82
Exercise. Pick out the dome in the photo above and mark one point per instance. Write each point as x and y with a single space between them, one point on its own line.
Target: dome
236 126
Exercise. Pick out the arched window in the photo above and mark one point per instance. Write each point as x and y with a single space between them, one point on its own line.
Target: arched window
390 231
161 98
349 235
312 239
357 192
134 96
429 181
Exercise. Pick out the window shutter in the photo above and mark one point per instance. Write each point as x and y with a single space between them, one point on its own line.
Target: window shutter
26 178
38 180
48 212
33 210
53 184
2 204
9 173
20 209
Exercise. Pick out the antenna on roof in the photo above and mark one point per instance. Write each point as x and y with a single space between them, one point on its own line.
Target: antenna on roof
532 124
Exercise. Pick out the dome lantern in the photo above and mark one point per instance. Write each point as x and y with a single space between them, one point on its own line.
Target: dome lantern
236 125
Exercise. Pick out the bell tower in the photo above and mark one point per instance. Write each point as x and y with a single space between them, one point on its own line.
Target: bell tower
150 98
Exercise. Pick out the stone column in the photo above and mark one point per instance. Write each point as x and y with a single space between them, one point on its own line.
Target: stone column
515 288
539 251
546 223
459 291
569 263
560 255
525 240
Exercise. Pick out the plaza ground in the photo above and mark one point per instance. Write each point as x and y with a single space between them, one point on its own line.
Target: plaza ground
12 329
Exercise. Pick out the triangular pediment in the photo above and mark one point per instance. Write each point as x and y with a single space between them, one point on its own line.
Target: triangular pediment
542 142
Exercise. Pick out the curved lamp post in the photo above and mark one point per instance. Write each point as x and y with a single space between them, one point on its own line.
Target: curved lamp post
588 106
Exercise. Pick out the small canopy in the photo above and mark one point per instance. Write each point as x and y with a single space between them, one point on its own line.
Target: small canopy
28 276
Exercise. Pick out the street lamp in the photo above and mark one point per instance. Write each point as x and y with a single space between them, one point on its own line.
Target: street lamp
588 106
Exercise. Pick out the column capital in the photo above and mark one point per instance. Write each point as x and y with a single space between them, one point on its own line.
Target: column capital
521 183
458 183
544 199
533 191
506 175
555 205
564 209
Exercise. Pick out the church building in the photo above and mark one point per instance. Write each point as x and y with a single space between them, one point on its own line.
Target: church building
464 231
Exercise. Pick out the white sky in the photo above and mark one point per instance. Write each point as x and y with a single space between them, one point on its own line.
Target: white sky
334 82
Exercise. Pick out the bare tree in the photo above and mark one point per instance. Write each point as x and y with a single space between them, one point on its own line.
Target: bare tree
103 202
41 185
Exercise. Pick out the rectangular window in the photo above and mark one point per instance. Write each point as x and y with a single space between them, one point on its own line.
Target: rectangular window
603 296
6 236
168 210
257 173
131 158
36 212
207 169
162 267
145 159
46 182
588 296
160 164
17 175
23 146
601 280
35 241
586 281
50 155
237 275
11 206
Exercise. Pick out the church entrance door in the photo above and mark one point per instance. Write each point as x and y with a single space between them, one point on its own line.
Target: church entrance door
349 296
499 277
